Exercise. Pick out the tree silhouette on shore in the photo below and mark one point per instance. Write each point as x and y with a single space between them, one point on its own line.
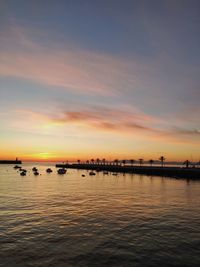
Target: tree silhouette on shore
186 163
162 159
141 161
151 161
116 161
132 161
124 162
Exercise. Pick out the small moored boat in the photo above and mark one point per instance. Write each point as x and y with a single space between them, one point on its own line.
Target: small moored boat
92 173
61 171
17 167
49 170
23 170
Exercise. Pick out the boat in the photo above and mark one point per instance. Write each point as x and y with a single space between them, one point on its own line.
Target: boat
92 173
23 173
23 170
17 167
115 174
61 171
36 173
105 172
34 169
83 175
49 170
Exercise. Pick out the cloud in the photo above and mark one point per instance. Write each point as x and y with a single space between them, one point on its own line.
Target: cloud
107 119
190 132
123 122
24 56
103 119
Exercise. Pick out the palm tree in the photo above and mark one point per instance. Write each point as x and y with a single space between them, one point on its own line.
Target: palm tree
87 161
78 161
92 160
141 161
104 161
124 162
151 161
116 161
162 159
186 163
97 161
198 163
132 161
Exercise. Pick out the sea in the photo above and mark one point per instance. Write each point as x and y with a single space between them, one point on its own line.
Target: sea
101 220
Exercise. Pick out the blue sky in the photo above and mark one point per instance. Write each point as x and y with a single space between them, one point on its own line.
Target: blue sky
125 70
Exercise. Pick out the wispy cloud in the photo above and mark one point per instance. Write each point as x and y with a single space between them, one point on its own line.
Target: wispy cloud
67 67
108 120
103 119
86 72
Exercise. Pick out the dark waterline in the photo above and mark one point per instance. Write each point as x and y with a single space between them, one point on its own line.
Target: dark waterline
102 220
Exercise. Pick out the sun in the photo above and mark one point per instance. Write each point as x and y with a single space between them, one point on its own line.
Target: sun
44 155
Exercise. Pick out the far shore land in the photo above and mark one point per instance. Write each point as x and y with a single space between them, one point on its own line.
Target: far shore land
11 161
175 172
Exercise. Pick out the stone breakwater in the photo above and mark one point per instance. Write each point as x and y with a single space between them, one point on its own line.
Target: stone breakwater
175 172
10 162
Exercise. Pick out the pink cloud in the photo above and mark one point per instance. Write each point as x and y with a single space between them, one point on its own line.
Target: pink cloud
105 120
69 68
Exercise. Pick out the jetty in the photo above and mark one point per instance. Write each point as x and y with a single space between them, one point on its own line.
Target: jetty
175 172
11 161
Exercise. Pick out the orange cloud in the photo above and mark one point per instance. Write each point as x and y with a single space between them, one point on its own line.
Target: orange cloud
109 120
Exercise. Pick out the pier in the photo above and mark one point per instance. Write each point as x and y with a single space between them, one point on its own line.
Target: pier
175 172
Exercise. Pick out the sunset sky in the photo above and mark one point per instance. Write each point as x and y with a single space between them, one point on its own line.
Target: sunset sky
86 79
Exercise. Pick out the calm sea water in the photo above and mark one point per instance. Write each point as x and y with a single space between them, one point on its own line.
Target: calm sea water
102 220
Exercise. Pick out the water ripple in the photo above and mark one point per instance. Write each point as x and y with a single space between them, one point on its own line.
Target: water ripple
129 220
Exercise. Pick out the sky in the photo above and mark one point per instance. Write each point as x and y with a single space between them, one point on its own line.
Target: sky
108 79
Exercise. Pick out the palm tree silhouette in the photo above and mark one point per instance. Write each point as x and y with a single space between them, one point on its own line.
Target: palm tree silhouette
132 161
78 161
151 161
92 160
116 161
198 163
141 161
162 159
186 163
104 161
124 162
98 161
87 161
